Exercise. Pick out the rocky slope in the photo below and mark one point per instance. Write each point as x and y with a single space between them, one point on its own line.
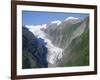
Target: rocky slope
54 53
68 35
57 44
34 53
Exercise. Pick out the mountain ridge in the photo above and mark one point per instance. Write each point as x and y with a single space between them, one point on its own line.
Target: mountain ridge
62 38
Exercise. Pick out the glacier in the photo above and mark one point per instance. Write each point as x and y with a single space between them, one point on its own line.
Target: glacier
55 53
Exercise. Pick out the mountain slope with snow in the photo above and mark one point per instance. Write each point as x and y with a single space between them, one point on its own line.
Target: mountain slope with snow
71 18
64 35
58 22
62 39
53 51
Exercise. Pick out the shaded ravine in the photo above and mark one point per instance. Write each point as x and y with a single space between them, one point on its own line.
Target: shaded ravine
54 53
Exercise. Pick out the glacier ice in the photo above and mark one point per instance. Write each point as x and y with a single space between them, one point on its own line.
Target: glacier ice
54 53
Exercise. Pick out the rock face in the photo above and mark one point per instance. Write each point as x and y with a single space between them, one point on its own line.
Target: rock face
54 53
58 44
72 35
34 53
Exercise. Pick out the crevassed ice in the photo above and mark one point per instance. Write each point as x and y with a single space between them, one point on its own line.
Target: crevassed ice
54 53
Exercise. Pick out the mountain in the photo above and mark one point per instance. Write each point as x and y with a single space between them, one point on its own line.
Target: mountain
57 22
77 53
70 35
53 51
34 53
60 35
57 44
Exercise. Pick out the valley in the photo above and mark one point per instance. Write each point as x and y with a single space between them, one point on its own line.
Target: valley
57 44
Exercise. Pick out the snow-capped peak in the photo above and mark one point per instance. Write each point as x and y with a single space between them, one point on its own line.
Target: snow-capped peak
71 18
44 26
56 22
31 26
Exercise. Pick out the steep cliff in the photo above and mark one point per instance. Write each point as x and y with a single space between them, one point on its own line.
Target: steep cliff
34 53
72 35
57 44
